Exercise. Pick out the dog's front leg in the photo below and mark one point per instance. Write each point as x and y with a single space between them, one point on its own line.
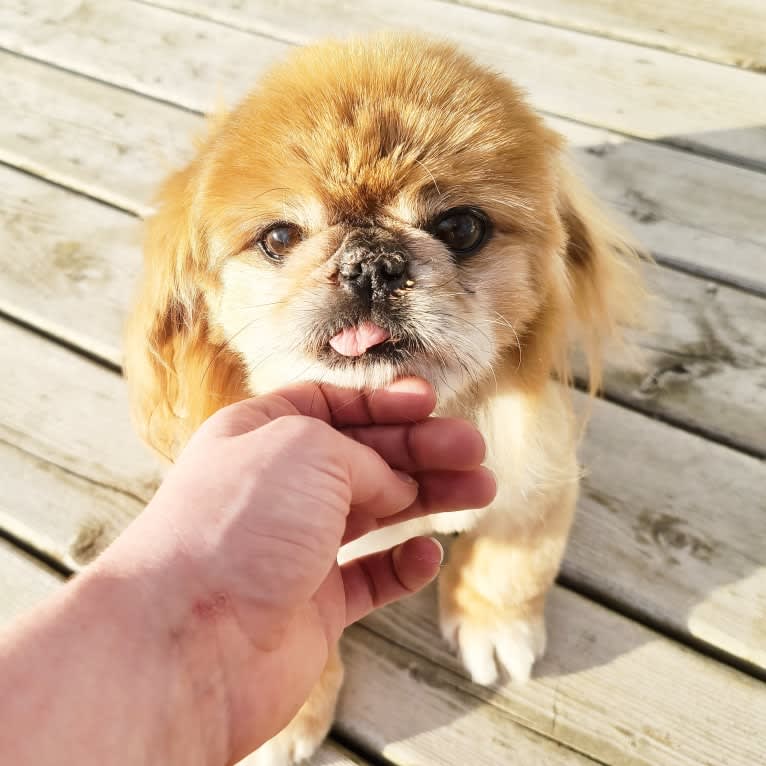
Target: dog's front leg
492 592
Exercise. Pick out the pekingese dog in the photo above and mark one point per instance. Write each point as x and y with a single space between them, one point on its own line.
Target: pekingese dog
382 208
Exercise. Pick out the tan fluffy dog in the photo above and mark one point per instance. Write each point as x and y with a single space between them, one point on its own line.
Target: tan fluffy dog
382 208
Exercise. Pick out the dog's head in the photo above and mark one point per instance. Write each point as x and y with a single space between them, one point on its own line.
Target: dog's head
372 209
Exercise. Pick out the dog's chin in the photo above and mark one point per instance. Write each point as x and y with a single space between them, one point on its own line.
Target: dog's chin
379 371
372 370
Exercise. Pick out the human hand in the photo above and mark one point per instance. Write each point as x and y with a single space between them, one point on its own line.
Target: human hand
237 551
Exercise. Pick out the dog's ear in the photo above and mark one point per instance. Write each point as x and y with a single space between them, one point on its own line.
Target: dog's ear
177 374
602 265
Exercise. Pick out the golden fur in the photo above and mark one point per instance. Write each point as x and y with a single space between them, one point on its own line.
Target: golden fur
383 135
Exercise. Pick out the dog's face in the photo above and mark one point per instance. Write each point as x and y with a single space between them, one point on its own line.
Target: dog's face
373 209
370 212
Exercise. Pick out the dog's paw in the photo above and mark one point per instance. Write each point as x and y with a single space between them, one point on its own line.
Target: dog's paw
293 745
507 642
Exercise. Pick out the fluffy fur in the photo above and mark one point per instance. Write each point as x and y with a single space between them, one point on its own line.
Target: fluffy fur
364 144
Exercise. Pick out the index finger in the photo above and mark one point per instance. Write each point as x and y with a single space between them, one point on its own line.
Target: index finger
407 400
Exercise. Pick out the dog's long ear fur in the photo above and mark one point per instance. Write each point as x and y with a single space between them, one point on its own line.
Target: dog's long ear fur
177 374
602 264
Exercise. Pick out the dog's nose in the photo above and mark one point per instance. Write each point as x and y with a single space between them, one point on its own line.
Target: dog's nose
374 276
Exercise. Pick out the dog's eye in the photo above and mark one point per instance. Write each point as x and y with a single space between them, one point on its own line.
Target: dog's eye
277 241
463 230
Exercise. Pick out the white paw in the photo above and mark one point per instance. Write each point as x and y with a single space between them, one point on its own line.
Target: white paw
293 745
511 644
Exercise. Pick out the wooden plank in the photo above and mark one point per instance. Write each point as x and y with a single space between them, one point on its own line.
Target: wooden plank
69 264
671 526
700 214
138 47
610 688
635 90
332 754
670 552
116 146
412 711
74 473
727 31
68 261
101 140
24 583
703 362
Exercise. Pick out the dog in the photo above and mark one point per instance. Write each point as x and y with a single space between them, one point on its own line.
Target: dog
379 208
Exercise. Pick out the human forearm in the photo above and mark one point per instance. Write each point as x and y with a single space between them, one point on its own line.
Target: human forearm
93 677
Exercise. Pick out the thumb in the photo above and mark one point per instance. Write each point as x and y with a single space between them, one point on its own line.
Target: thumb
247 415
380 578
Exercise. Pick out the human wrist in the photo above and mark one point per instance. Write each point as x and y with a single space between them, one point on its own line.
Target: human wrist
166 672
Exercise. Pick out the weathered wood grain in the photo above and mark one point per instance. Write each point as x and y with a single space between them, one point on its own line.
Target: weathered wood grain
70 264
635 90
101 140
700 214
74 473
23 582
423 717
611 680
728 31
702 363
611 689
139 47
672 527
77 474
332 754
117 146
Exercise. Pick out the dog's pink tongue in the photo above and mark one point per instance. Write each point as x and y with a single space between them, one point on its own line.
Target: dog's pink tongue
354 341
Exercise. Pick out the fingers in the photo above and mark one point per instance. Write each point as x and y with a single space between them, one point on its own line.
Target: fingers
438 492
445 443
376 580
377 490
247 415
404 401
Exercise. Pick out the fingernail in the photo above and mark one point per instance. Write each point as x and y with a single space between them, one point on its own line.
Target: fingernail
440 547
405 477
409 385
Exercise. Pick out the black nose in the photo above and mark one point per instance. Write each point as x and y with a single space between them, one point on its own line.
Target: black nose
373 275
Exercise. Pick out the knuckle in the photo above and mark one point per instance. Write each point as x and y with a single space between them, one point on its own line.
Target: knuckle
302 429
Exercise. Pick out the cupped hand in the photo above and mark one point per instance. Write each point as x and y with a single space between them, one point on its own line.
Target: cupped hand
238 548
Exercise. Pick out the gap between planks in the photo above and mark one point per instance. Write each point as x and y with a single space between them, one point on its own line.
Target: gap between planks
691 102
118 151
704 353
478 33
725 32
670 552
375 685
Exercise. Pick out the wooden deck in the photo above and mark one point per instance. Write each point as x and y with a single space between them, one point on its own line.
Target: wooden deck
658 624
